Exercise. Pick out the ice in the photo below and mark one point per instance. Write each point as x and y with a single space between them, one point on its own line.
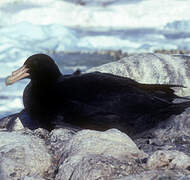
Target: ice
12 104
34 37
146 13
11 97
29 26
23 39
109 43
178 26
44 26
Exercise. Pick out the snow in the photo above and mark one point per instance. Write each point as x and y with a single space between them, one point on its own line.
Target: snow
109 43
42 26
147 13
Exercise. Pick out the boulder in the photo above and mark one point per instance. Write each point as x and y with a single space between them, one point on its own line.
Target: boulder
169 160
153 68
22 155
93 153
156 175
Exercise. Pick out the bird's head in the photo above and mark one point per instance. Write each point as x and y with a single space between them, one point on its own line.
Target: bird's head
38 67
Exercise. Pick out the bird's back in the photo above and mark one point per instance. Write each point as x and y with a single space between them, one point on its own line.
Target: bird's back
102 101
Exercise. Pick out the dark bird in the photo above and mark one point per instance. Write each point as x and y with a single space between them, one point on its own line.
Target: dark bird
92 100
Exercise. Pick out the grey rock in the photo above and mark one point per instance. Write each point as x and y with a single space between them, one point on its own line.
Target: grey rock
91 141
62 135
33 178
157 175
169 160
87 144
41 133
153 69
8 121
11 123
94 166
172 134
58 140
18 121
175 125
16 125
21 155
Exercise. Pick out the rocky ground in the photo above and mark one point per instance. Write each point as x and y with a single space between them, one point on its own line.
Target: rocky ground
70 154
174 51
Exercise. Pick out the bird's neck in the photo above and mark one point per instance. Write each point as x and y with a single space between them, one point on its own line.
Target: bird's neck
46 80
42 85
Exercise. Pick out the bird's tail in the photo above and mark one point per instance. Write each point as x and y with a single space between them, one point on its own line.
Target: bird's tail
148 121
163 91
176 108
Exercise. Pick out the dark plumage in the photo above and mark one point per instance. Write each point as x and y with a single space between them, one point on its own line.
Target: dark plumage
92 100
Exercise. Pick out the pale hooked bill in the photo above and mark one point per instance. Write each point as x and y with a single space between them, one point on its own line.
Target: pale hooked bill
19 74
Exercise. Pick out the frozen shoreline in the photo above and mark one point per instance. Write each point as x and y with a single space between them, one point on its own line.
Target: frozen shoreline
11 96
54 26
142 26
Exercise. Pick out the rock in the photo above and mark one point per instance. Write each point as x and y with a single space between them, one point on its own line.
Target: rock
22 155
172 51
41 133
169 160
11 123
18 121
58 140
96 142
172 134
157 175
176 124
16 125
6 121
33 178
95 166
153 69
111 145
